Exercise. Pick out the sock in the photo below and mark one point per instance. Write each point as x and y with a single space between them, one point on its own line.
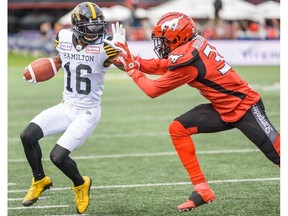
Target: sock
186 151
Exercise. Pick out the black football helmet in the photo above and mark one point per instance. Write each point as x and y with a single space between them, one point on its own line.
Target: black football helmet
88 23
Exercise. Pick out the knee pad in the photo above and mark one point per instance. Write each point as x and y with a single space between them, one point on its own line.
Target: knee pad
31 134
25 138
58 154
181 136
177 130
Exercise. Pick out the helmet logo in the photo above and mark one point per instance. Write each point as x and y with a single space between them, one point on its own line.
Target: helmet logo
171 24
77 15
174 57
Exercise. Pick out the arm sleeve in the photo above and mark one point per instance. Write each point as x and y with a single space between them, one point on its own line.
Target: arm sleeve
167 82
153 66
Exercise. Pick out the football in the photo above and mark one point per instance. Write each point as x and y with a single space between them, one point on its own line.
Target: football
41 69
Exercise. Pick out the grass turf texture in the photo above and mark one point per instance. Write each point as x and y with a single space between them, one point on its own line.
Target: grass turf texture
121 155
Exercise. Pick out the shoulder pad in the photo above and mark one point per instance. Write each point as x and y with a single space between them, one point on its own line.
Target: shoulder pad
182 56
56 40
60 34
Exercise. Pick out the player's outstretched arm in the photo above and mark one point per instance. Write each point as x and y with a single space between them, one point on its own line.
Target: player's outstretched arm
119 36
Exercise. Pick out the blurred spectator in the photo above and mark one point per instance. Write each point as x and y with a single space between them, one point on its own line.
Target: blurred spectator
255 31
235 30
46 39
57 27
217 7
46 31
208 30
272 28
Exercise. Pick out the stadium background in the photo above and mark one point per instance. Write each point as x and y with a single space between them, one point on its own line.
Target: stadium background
143 122
41 20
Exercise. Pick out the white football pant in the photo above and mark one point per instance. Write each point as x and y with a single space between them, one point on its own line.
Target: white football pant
78 123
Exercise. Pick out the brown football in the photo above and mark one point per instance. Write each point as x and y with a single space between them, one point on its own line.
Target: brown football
41 69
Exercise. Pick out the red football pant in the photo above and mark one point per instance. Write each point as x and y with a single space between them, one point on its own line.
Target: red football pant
186 150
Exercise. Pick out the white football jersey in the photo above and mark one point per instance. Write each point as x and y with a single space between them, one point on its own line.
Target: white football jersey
84 70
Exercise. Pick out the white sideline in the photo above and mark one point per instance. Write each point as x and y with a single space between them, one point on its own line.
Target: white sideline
156 154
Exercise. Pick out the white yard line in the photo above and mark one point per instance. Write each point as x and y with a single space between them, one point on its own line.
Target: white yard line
156 154
11 184
185 183
21 198
38 207
134 186
135 119
69 215
161 184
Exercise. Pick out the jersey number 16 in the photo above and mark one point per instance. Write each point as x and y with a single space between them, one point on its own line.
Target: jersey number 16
84 80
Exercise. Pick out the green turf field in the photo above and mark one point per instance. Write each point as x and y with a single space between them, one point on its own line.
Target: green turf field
130 158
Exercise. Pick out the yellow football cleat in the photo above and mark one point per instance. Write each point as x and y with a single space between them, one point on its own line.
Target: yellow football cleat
36 189
82 195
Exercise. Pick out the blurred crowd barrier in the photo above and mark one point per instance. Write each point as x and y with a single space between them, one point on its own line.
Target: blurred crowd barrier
41 43
31 43
237 20
236 52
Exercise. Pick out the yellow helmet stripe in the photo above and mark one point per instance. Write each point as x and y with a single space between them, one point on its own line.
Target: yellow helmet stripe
92 10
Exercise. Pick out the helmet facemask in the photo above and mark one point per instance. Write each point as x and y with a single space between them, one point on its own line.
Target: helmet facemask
89 23
90 31
161 46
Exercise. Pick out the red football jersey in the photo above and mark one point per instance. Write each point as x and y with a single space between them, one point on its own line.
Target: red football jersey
198 64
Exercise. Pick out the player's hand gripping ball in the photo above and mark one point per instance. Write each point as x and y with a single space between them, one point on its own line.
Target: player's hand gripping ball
41 69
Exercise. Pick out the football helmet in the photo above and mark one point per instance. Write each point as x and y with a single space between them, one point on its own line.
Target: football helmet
171 31
88 23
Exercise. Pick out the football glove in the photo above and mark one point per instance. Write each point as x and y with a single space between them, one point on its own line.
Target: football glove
127 59
31 81
119 36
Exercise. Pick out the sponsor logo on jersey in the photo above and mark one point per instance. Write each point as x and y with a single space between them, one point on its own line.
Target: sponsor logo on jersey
80 57
199 42
174 57
65 46
262 119
93 49
171 24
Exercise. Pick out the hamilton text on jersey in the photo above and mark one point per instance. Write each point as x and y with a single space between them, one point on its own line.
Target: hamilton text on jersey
81 57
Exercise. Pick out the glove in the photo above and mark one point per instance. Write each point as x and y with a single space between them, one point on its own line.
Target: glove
127 59
31 81
119 36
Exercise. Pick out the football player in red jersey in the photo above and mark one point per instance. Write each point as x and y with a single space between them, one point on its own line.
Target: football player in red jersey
187 58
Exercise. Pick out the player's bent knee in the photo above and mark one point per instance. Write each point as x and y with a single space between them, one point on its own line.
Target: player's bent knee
31 134
177 130
56 158
58 155
27 138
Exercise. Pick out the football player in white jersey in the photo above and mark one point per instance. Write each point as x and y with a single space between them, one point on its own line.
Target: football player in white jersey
85 59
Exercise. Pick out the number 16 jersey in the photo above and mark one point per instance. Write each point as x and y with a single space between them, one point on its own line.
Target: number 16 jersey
84 70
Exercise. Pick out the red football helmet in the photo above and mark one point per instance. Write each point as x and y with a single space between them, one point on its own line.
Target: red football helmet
171 31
